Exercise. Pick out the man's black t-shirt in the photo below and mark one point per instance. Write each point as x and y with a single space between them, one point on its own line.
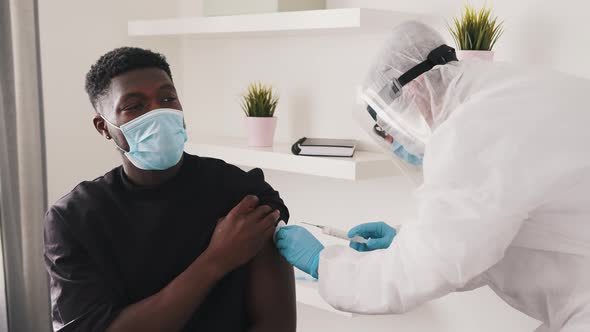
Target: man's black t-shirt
110 243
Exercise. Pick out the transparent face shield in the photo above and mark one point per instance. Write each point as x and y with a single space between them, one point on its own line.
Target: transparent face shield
405 124
393 119
385 141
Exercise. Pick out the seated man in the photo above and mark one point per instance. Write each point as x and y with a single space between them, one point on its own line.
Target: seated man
168 241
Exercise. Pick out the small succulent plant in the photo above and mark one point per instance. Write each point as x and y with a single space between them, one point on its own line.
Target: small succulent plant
260 101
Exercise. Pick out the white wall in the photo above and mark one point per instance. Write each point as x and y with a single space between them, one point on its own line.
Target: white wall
538 32
316 75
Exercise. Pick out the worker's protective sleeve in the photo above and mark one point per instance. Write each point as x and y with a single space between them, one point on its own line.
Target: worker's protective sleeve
471 206
426 260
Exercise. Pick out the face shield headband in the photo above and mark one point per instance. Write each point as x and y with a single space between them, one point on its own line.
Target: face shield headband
393 89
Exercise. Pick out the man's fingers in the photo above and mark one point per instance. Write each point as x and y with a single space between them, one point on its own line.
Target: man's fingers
271 219
247 204
269 233
260 212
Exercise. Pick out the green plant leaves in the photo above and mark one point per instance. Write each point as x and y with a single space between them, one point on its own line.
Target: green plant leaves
260 101
476 30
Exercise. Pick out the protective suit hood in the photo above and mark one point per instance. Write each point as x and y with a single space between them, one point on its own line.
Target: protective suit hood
424 103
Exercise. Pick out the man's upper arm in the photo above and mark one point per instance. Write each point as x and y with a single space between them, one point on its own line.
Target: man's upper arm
271 282
255 184
271 292
80 299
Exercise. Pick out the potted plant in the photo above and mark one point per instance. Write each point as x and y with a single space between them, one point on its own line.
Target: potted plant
259 104
476 33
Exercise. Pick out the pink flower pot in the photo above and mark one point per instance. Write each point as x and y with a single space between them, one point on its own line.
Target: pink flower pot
475 55
261 131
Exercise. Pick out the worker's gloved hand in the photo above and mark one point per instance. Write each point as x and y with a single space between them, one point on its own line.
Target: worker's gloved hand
379 234
300 248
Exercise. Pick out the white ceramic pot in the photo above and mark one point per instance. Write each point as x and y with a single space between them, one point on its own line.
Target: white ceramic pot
475 55
261 131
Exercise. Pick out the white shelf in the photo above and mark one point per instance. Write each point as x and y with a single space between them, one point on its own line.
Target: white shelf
327 19
364 165
307 293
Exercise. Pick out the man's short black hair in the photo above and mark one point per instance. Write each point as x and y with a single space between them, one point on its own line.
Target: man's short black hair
117 62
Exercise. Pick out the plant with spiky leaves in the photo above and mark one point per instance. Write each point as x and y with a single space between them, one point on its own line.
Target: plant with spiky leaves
476 30
260 101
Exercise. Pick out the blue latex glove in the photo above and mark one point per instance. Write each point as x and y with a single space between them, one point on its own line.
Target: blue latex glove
401 152
300 248
379 234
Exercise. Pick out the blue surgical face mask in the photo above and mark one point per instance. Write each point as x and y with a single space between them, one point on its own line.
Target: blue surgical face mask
399 151
156 139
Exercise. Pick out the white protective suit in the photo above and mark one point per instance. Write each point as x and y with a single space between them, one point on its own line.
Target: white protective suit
505 200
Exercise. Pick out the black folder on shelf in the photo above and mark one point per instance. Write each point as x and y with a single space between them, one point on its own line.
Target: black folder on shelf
323 147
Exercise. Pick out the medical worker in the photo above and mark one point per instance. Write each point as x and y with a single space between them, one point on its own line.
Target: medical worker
505 198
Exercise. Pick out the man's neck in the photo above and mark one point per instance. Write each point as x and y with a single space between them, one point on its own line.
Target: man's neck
146 178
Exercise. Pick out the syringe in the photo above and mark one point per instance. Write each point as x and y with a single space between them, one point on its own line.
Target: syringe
338 233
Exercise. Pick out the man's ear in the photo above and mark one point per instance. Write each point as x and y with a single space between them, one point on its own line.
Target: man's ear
101 126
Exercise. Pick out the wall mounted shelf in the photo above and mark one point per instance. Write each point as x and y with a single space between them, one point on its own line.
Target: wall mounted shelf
327 19
364 165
